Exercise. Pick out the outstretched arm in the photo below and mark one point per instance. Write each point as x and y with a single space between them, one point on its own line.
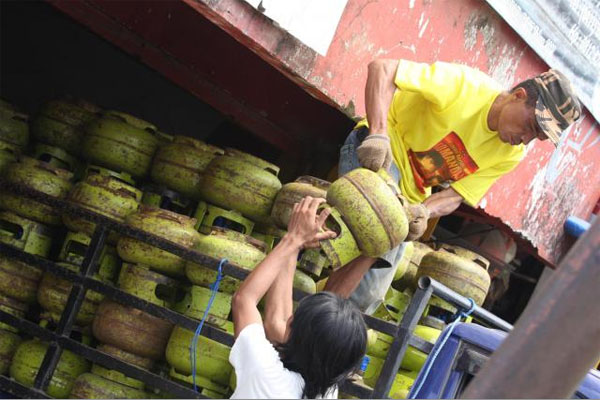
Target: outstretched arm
304 228
379 92
443 203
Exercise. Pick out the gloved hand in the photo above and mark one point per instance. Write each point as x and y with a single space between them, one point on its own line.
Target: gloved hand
417 215
375 152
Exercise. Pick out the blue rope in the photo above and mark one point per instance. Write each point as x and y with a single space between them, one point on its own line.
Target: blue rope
194 345
446 334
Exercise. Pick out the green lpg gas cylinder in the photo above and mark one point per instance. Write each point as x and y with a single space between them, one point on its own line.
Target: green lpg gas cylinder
161 197
402 382
371 210
138 280
269 234
14 127
179 164
294 192
28 359
212 358
409 279
213 216
343 248
59 123
75 246
196 301
19 280
57 157
240 250
174 227
393 306
404 262
120 142
130 329
9 341
413 359
234 183
459 269
40 176
304 282
25 234
53 293
312 261
249 158
105 195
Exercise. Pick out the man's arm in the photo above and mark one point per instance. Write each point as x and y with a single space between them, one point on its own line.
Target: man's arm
379 92
375 151
443 203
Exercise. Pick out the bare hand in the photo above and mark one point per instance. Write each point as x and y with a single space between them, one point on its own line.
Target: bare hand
305 226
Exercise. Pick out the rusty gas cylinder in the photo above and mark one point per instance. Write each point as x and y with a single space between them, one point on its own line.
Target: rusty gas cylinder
179 164
240 250
130 329
171 226
103 194
371 210
120 142
234 182
459 269
37 175
19 280
59 123
93 386
409 279
294 192
53 293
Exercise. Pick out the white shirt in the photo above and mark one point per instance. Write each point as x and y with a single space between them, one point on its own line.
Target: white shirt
259 371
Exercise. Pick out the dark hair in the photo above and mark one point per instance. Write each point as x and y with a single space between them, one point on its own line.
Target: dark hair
327 340
531 90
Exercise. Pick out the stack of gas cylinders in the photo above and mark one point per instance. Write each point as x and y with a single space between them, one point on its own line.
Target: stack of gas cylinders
221 202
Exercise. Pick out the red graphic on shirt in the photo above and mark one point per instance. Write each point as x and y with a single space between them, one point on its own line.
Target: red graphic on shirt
447 161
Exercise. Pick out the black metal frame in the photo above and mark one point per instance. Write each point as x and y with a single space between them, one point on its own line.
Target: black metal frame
82 281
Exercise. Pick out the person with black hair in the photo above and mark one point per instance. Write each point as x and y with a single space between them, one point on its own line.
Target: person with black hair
301 354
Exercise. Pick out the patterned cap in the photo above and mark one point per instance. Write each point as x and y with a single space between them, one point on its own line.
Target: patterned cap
557 106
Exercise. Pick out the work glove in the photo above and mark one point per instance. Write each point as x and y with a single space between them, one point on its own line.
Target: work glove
375 152
417 215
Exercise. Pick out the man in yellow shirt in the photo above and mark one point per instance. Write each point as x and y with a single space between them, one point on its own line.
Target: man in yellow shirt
444 125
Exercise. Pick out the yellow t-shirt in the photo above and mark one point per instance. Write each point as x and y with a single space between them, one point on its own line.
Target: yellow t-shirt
439 134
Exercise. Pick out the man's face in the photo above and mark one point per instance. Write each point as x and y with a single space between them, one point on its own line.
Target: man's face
517 123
